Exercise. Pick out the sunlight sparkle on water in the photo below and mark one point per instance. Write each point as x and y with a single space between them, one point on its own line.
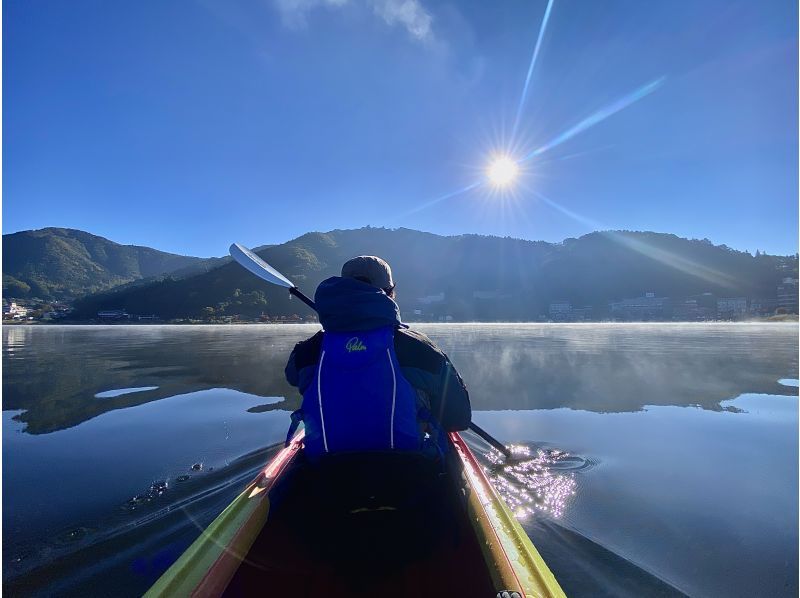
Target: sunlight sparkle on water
529 483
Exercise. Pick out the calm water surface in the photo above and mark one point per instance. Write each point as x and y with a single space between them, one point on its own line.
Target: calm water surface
662 459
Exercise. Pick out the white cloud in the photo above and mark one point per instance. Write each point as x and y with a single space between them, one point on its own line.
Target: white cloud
408 14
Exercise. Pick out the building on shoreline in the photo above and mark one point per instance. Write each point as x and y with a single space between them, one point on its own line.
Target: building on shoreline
563 311
13 311
763 306
645 308
731 308
560 310
787 295
113 314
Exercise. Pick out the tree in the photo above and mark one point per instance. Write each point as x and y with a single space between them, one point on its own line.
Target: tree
15 288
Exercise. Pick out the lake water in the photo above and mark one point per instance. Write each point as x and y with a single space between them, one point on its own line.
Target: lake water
664 458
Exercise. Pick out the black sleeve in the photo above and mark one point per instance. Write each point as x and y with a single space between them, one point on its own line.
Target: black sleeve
304 354
427 368
454 409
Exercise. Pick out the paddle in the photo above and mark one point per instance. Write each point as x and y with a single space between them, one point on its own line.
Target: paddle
490 439
264 271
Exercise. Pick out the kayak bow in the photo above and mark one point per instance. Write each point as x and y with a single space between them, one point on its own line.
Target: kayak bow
382 525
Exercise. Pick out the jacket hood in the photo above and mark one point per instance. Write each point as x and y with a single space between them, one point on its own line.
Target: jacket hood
349 304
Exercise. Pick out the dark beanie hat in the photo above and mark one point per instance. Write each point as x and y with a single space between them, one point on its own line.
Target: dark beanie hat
370 269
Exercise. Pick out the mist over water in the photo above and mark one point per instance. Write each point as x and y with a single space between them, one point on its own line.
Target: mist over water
657 455
617 367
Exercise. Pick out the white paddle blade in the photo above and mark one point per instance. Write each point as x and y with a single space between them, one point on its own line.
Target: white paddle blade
259 267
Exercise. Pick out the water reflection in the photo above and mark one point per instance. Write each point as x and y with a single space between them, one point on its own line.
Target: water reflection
110 394
54 372
678 458
618 367
680 491
120 465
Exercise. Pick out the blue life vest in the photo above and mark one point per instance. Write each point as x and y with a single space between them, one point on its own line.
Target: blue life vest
359 399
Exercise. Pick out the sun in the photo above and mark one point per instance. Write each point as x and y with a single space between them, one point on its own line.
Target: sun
502 171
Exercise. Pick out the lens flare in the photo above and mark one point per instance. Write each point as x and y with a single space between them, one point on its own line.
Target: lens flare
502 171
598 117
524 96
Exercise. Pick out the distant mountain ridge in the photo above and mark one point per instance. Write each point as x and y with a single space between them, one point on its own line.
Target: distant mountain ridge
467 277
64 264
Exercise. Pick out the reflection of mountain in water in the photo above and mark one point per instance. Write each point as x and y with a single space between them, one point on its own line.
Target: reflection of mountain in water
53 373
613 367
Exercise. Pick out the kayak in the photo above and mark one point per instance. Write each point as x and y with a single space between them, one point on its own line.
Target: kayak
372 524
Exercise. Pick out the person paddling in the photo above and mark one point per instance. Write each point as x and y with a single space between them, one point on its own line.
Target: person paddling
369 383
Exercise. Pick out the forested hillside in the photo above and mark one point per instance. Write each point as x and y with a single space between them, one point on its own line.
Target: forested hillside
468 277
63 264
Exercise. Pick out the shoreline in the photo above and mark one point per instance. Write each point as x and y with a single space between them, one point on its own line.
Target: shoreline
772 320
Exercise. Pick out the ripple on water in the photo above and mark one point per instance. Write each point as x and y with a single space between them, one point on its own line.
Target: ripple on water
72 536
156 490
536 479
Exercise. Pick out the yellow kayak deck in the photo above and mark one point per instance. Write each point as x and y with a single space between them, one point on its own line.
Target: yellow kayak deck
377 525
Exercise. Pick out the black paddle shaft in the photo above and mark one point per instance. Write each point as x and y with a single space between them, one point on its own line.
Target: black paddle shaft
490 439
299 294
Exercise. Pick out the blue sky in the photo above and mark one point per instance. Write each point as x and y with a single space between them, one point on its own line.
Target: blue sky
188 125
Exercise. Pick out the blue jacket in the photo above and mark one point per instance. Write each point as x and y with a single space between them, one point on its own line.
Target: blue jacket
346 304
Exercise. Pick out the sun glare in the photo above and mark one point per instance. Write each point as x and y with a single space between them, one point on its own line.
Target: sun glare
502 171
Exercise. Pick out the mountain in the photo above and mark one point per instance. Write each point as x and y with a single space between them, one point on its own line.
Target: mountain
468 277
63 264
